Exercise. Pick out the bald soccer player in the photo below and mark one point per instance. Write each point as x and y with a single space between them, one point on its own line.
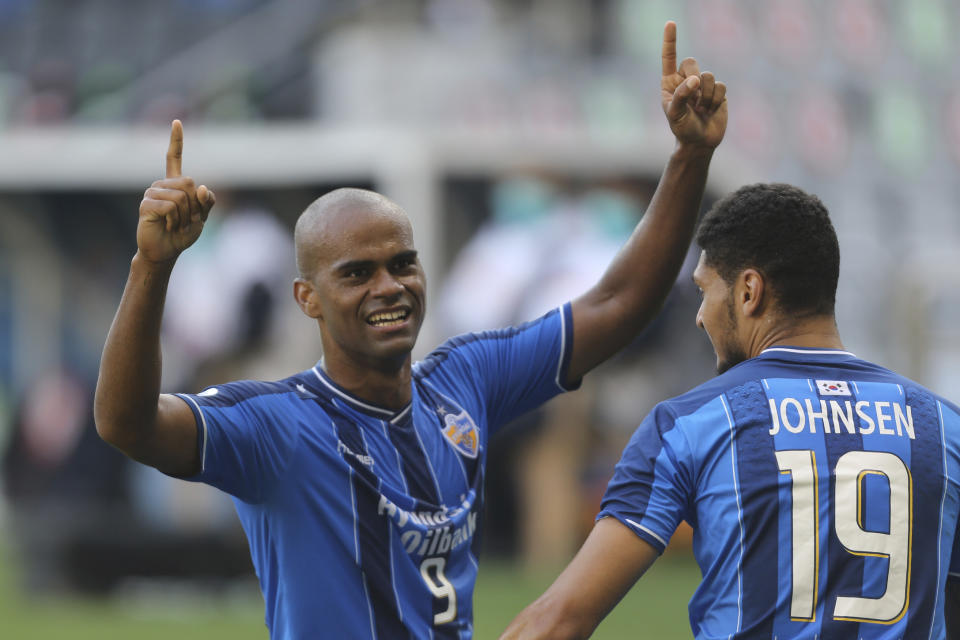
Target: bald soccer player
359 481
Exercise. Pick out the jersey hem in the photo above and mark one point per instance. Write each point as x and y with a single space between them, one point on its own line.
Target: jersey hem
201 431
642 532
566 349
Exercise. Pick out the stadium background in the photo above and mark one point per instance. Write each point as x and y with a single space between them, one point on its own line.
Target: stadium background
514 121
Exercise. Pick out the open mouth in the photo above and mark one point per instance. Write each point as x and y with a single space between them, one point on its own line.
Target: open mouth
388 318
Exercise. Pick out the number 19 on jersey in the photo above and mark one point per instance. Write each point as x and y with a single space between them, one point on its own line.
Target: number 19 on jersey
848 501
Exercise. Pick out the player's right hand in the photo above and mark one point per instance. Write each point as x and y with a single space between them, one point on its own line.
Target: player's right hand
173 210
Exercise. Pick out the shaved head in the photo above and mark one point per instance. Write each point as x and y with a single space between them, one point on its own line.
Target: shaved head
360 279
312 235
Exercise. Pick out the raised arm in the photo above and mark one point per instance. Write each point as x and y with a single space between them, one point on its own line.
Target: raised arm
610 561
158 430
638 280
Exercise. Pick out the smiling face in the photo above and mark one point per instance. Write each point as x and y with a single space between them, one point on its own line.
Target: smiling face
717 315
362 281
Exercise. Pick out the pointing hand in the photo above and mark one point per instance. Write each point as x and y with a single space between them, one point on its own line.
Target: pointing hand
173 209
695 103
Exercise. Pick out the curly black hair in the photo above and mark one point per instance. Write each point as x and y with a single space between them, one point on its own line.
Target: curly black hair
782 232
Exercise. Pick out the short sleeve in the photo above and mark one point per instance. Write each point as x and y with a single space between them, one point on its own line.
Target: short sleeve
652 484
515 369
244 448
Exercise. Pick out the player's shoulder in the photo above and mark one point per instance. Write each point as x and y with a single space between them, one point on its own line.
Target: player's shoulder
466 345
707 392
945 403
771 367
749 372
909 386
238 391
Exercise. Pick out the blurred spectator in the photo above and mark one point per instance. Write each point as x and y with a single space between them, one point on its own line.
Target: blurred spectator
223 294
861 32
61 480
49 98
81 516
54 454
545 243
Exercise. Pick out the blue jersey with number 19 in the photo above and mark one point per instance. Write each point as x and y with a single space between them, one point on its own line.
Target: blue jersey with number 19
362 521
822 490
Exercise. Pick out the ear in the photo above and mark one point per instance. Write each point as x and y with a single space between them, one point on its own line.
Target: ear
307 298
752 294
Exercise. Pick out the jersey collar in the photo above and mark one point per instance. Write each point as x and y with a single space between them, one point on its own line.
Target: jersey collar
804 351
331 389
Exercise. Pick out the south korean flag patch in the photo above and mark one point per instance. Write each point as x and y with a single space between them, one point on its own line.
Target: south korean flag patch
833 388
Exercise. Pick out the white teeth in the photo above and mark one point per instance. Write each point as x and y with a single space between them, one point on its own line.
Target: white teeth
387 318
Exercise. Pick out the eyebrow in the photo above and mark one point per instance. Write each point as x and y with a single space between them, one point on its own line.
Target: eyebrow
353 264
410 254
360 264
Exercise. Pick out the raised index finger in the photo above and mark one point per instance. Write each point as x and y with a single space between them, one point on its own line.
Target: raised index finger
669 53
175 150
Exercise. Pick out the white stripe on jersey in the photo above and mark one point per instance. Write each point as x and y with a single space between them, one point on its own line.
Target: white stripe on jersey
646 530
356 520
563 346
356 538
400 415
811 352
203 424
433 473
736 491
366 590
345 396
403 478
356 553
946 483
391 532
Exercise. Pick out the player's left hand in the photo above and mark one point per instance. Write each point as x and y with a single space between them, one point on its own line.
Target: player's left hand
695 103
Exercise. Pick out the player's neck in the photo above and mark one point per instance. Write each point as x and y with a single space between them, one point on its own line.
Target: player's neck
816 332
382 384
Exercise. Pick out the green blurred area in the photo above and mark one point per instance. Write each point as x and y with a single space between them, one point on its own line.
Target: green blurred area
655 608
140 611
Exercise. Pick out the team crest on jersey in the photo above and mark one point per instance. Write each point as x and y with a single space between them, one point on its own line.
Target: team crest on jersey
461 431
833 388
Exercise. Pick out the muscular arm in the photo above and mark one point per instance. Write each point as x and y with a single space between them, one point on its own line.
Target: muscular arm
610 561
158 430
635 284
638 280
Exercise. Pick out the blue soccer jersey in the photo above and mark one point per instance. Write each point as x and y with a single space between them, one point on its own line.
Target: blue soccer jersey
363 522
822 490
